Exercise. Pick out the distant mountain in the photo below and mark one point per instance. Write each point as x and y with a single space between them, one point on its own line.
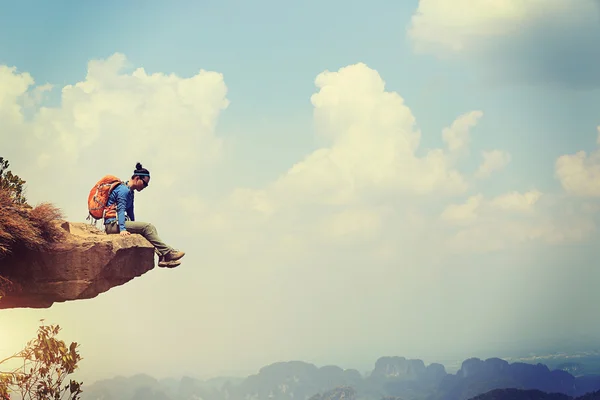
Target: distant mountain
137 387
294 380
577 364
393 378
477 376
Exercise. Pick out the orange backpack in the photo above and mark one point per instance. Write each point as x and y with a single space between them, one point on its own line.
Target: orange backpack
98 198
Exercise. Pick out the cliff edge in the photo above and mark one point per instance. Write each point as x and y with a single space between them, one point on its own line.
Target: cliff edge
83 263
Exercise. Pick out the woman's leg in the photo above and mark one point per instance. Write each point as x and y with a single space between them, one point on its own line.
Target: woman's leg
148 231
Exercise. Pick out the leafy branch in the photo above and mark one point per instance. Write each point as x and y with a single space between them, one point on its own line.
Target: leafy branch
46 364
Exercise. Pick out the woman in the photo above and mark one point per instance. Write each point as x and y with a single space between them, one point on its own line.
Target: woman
121 199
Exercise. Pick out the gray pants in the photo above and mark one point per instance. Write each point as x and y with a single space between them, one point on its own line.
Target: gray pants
146 229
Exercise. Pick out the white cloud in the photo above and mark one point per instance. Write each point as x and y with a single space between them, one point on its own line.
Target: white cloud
478 206
457 136
511 219
493 161
457 25
463 213
515 201
519 40
369 186
579 173
350 189
354 224
136 111
37 96
108 122
373 145
14 86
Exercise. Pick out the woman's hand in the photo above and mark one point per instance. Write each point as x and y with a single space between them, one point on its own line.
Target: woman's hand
124 233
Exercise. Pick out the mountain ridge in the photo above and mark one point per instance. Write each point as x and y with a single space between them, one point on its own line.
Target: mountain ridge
392 377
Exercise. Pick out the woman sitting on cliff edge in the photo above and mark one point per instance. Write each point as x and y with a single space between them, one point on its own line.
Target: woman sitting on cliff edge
122 196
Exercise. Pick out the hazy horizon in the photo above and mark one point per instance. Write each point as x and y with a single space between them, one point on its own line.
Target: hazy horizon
348 180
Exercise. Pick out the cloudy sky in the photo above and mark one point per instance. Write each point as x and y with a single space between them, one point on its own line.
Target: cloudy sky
349 179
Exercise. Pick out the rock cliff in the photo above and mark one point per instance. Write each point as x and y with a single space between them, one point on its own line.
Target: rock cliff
399 368
83 264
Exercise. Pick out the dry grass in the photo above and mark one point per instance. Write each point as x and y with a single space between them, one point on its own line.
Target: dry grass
6 286
25 228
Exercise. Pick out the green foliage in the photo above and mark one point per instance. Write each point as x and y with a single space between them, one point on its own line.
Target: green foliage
46 363
12 183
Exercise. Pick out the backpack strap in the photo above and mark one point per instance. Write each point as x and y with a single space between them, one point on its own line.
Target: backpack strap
111 207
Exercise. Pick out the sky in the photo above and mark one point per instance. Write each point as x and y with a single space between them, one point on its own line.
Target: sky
349 180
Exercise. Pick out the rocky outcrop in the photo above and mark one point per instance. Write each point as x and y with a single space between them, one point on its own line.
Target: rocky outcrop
398 368
85 263
435 372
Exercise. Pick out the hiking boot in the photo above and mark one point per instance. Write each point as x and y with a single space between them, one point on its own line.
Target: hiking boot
173 255
168 264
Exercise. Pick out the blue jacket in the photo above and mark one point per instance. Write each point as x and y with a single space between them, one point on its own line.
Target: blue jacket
122 195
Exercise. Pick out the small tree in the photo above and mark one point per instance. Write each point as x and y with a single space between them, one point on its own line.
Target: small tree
12 183
46 363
